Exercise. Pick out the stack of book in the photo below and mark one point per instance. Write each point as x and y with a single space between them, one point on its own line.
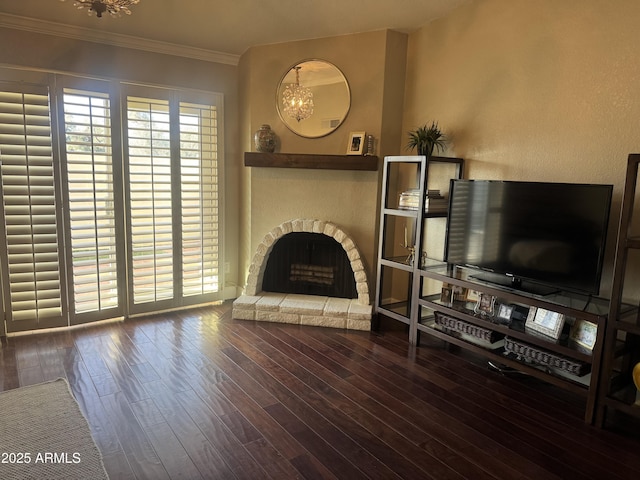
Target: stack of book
409 199
434 201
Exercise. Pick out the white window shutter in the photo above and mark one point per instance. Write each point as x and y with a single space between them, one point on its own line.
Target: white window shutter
91 200
151 220
199 198
31 243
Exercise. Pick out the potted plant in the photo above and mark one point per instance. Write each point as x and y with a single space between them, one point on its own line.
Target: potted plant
426 138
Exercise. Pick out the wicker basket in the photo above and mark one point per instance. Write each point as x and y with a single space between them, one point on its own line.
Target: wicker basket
457 325
533 354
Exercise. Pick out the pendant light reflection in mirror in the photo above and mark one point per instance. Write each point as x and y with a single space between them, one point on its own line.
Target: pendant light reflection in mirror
313 98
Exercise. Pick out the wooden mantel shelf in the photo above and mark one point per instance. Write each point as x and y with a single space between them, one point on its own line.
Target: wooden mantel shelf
311 160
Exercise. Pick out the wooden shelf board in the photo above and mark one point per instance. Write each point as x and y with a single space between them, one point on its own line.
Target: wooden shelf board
392 312
627 327
311 161
575 386
624 405
633 242
460 312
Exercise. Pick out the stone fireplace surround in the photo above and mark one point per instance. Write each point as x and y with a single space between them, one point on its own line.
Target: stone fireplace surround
254 304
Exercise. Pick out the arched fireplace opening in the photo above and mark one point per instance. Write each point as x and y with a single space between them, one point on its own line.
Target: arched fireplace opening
316 238
309 263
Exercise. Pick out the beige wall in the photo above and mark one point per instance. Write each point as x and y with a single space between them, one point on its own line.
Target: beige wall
374 65
36 51
526 89
540 90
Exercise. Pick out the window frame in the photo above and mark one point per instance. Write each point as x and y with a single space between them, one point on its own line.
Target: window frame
117 91
174 97
111 89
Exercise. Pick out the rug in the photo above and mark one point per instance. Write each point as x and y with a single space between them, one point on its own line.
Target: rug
43 435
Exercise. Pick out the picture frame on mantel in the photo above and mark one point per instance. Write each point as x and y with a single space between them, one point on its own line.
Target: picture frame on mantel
356 143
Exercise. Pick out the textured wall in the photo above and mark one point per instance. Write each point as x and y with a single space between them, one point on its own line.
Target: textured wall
538 90
373 64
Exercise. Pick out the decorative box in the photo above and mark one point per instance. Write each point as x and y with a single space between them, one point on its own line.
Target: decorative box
457 325
537 355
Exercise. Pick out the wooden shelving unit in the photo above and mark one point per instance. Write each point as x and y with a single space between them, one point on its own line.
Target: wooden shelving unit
402 230
622 340
538 348
311 161
412 277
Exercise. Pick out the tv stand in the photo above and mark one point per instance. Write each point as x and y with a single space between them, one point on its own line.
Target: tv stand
516 283
472 311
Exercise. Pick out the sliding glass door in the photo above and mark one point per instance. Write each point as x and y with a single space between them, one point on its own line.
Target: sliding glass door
106 214
171 158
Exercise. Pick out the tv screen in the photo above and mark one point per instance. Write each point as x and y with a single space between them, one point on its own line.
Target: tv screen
550 234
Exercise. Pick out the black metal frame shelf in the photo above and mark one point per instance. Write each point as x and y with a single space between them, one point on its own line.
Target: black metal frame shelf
412 172
617 390
574 306
407 289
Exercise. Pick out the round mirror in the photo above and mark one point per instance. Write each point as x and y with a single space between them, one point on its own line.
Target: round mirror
313 98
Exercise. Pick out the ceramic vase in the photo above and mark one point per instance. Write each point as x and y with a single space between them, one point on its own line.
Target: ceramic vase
265 139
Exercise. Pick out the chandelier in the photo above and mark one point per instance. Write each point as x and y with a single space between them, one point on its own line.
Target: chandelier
297 100
114 7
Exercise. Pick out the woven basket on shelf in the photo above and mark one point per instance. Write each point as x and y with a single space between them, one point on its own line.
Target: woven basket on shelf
533 354
457 325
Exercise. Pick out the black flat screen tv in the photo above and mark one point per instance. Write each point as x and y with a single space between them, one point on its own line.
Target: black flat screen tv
536 236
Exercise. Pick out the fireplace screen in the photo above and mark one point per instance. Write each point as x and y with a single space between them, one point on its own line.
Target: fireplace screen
309 263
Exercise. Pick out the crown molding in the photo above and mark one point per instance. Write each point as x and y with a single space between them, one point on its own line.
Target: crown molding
115 39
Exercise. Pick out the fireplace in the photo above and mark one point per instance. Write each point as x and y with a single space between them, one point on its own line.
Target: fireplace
307 272
309 263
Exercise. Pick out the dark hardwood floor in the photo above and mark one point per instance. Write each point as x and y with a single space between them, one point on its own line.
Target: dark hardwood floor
198 395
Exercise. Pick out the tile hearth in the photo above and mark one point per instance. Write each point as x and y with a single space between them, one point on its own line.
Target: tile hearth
300 309
304 310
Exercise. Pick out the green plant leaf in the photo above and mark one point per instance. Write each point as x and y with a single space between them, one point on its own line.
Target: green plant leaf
427 138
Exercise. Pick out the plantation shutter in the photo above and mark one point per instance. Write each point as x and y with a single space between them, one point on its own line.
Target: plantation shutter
150 203
91 202
199 198
31 272
96 205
